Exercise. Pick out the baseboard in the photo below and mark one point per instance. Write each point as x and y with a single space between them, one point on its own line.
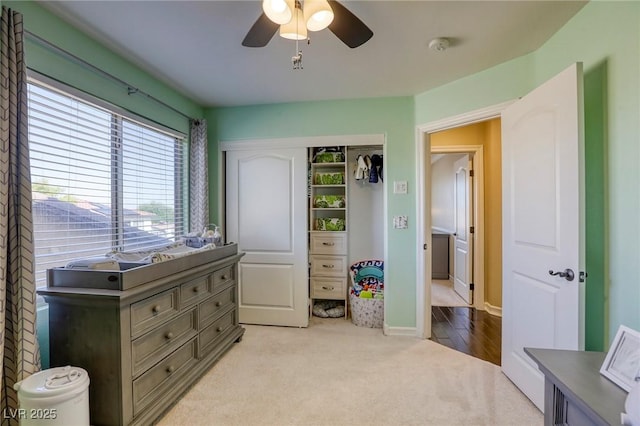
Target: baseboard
399 331
493 310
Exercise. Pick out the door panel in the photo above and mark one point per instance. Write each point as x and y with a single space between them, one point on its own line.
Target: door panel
267 216
265 192
542 226
267 286
463 244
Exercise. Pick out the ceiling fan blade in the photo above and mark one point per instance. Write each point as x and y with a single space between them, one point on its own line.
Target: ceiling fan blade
261 32
347 27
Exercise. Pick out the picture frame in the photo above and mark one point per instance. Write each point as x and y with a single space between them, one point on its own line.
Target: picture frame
622 363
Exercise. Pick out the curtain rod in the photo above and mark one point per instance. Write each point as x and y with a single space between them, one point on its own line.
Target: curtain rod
131 90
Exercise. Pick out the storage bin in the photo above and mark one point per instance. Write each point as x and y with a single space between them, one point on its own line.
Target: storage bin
329 157
366 312
330 224
329 201
329 178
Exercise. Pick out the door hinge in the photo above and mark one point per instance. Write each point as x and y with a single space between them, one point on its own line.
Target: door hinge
471 286
472 229
471 173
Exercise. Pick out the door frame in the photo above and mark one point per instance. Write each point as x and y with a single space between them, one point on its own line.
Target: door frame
423 214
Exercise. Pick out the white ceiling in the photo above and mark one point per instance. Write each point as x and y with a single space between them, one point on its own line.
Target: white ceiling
195 46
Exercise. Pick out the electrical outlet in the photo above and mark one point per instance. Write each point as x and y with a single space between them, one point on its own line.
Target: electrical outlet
400 222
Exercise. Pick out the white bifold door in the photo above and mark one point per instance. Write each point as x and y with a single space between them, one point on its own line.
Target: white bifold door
266 214
543 237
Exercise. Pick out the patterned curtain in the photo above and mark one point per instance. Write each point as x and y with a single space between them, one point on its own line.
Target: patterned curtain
19 353
198 177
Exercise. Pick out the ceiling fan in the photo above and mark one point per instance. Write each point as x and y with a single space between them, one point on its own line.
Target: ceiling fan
294 18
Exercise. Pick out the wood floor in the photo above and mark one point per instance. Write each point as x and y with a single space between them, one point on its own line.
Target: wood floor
468 330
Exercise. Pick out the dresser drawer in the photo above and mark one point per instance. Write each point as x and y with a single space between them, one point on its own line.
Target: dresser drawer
210 309
193 291
150 312
161 378
209 336
328 288
323 243
153 346
333 266
223 276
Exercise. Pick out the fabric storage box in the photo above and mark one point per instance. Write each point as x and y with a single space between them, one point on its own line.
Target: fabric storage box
329 201
330 224
329 157
366 312
329 178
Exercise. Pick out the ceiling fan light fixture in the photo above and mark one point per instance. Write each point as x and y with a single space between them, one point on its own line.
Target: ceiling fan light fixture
317 14
279 11
295 29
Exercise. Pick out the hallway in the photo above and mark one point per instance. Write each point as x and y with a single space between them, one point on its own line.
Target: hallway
476 333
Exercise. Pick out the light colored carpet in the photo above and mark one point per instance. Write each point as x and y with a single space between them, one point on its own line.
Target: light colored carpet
334 373
443 294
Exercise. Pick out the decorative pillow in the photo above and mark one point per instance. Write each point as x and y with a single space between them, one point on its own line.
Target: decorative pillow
328 309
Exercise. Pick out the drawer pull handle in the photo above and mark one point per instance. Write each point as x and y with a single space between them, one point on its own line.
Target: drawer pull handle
169 335
329 244
155 309
219 329
224 277
326 287
196 289
170 369
218 304
328 266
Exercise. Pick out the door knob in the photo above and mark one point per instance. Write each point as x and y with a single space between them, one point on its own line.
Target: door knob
567 274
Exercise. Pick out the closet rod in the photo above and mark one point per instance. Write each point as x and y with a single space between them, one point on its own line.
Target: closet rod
131 90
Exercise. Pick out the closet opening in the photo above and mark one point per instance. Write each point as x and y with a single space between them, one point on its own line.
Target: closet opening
346 230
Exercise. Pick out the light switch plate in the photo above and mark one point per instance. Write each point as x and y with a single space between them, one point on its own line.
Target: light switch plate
400 187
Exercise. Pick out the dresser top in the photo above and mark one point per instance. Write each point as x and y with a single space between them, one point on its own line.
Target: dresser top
577 374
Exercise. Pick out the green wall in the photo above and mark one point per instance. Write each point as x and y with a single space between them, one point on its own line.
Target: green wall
51 28
390 116
39 21
605 36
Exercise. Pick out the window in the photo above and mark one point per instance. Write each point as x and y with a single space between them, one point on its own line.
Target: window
101 181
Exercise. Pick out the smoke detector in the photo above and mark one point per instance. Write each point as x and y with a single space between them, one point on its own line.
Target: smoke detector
439 44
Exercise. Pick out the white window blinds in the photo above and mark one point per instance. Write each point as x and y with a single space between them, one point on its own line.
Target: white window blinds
101 182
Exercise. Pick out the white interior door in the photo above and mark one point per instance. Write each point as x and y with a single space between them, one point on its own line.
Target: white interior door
542 152
266 214
463 244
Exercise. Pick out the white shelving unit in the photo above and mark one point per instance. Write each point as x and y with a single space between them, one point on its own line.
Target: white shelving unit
328 226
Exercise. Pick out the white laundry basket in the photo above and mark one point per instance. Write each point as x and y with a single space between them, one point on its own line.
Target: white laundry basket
57 396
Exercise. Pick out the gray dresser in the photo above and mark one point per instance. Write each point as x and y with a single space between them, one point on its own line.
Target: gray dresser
145 346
